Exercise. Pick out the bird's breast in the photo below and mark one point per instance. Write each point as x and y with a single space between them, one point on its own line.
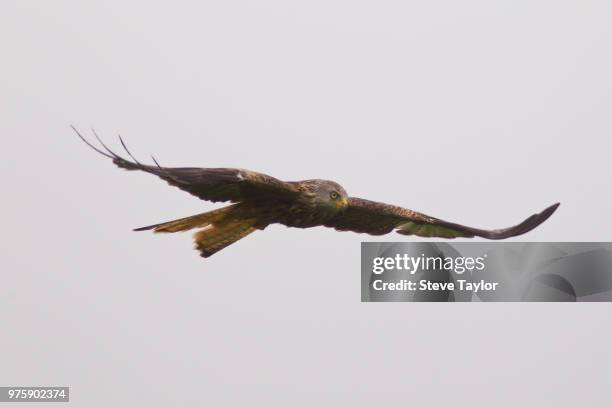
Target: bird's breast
306 216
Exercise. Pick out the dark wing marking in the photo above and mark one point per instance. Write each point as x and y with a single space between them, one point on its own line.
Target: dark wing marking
378 219
212 184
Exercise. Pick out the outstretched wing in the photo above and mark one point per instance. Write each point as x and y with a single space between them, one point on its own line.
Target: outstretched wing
378 219
212 184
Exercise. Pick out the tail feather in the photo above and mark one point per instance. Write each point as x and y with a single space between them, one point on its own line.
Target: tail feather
220 228
187 223
215 237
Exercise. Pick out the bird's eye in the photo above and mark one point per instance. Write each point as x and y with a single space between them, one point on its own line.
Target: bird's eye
334 195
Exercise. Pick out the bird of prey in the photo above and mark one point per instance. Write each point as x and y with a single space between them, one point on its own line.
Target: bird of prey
259 200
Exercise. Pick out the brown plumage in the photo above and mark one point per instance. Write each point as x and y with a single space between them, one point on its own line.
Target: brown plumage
260 200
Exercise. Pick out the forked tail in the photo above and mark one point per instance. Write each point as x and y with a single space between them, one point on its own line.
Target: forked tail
220 228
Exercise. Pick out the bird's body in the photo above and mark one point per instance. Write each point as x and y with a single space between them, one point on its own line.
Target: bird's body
314 205
260 200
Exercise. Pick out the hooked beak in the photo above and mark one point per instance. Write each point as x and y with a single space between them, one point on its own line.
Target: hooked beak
343 203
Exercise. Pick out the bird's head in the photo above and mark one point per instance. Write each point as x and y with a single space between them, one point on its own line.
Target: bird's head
330 195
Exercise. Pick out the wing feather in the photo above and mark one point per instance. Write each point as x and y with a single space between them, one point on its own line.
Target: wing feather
212 184
376 218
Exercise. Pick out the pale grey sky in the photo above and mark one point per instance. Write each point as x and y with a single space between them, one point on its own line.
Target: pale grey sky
477 112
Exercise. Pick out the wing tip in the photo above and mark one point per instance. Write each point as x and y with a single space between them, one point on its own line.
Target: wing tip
524 227
544 215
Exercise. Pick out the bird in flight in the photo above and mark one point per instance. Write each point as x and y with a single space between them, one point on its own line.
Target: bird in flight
259 200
